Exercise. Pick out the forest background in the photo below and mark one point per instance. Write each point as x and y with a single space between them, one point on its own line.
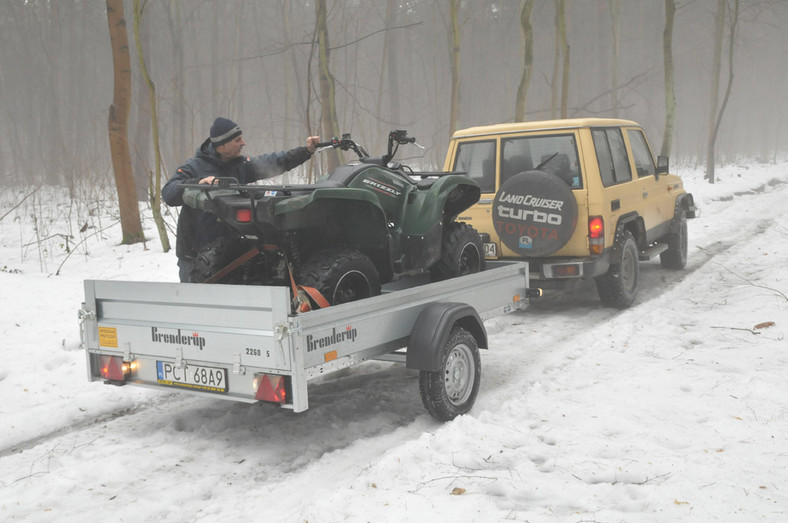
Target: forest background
704 77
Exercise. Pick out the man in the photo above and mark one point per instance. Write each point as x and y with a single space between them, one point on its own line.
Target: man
220 156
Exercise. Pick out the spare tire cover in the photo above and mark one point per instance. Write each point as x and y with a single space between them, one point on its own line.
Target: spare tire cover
534 213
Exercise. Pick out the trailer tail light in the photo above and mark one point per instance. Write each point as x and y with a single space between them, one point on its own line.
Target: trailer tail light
270 387
113 368
596 234
243 215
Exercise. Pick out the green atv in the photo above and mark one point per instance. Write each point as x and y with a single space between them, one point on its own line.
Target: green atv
364 224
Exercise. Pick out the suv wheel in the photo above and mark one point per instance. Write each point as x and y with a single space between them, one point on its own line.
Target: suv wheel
462 252
675 257
618 287
341 276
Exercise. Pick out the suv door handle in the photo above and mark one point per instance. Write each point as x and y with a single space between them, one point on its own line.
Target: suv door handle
615 205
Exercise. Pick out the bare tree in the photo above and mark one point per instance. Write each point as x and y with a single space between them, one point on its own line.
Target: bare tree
528 60
615 19
716 116
560 92
155 185
327 89
130 224
454 62
670 96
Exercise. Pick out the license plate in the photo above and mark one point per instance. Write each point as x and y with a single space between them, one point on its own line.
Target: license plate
210 379
490 250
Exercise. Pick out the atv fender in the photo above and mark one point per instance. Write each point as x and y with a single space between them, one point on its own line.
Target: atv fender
431 332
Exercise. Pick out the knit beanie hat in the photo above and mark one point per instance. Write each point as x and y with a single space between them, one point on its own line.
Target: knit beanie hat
223 130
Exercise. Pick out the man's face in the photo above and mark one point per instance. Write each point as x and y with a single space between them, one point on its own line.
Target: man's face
232 149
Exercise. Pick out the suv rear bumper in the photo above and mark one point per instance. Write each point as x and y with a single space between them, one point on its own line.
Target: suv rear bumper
560 272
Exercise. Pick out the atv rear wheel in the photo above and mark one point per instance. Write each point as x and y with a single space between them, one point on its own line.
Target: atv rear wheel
216 255
462 252
341 276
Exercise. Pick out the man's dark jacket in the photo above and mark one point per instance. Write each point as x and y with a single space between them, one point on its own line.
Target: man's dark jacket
196 228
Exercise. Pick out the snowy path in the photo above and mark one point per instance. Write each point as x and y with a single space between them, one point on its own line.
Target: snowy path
674 409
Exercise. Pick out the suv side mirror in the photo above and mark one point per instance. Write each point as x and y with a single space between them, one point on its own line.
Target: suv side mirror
662 165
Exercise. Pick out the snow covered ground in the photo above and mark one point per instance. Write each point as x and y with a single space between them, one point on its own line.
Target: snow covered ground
676 409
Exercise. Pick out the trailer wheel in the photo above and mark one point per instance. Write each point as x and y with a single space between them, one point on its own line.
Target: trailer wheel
341 276
451 390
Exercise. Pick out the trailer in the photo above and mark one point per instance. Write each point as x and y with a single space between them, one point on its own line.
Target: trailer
244 343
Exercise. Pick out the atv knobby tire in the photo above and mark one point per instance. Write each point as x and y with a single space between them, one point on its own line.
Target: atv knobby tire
618 287
462 252
340 276
216 255
451 390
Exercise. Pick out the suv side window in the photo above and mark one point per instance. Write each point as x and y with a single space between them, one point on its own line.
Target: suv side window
611 153
477 160
644 162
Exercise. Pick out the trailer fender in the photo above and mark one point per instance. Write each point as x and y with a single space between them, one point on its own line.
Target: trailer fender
431 332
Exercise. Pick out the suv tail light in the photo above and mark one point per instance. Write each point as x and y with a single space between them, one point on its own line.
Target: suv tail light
596 234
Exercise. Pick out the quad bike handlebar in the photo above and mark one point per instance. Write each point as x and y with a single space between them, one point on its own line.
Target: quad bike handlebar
396 138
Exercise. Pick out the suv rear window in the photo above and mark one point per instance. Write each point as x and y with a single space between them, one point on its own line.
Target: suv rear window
554 154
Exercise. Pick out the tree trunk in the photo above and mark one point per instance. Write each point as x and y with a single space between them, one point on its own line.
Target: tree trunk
716 68
565 67
140 157
667 58
715 131
327 93
528 60
615 19
454 61
130 224
155 185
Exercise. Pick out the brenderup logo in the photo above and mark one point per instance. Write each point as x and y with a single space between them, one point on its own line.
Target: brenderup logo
195 340
313 344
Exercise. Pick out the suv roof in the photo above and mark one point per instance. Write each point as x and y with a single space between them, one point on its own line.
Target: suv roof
516 127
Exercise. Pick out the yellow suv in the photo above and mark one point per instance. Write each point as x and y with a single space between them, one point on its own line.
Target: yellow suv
579 198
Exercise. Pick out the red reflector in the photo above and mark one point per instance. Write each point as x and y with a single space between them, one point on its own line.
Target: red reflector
243 215
566 270
271 388
112 368
596 227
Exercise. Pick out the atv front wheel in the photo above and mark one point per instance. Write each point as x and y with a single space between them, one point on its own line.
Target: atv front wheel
462 252
341 276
